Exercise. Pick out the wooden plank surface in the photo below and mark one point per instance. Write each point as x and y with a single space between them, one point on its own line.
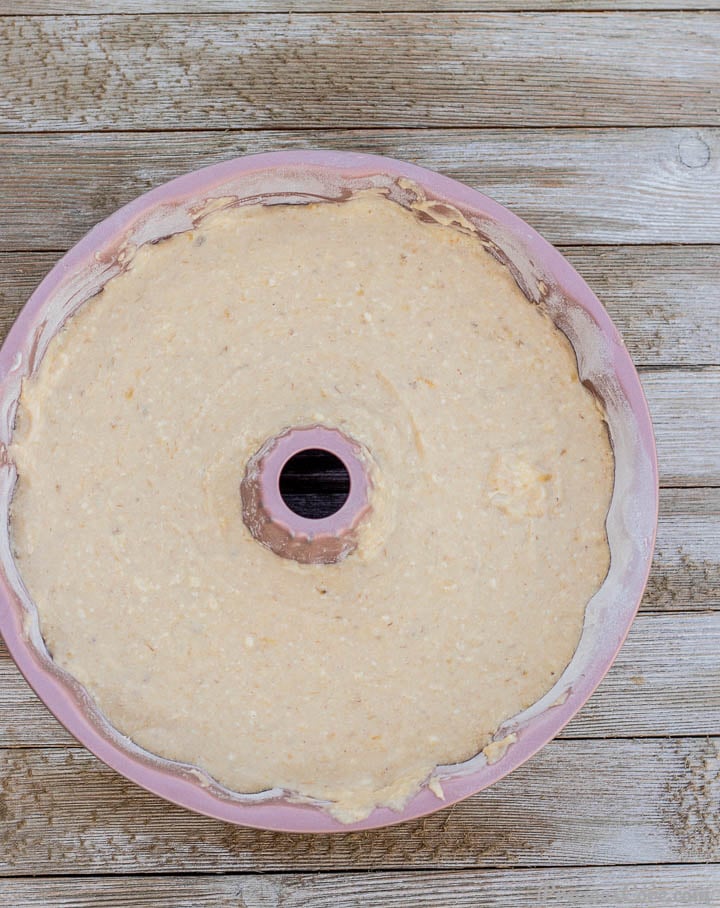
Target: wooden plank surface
428 69
664 299
577 802
685 409
598 124
576 186
96 7
666 681
686 566
591 887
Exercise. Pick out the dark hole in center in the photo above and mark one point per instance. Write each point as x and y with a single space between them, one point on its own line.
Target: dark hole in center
314 483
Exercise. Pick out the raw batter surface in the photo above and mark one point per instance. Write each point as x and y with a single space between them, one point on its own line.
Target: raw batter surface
492 475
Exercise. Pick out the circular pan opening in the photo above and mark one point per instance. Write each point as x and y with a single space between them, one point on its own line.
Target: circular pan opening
314 483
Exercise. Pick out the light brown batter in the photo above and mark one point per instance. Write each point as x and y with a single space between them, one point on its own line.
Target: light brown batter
492 474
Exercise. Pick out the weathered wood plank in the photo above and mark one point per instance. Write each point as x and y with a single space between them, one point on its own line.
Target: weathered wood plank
666 681
574 185
686 566
685 409
24 720
97 7
664 299
577 802
428 69
592 887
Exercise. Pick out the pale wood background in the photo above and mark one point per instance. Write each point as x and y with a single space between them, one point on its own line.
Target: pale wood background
597 121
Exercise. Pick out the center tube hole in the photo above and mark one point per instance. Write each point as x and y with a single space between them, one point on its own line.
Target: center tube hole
314 483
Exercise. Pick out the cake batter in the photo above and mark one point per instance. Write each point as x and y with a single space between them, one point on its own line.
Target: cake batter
491 479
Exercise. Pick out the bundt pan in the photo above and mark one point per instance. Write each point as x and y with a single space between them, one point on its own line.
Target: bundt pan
544 276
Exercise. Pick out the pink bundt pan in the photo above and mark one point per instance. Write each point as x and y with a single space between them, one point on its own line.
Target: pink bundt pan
546 278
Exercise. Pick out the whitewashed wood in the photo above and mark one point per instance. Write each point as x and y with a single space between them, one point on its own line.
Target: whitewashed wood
576 802
686 566
96 7
666 681
589 887
664 299
412 69
20 273
685 408
580 801
24 719
573 185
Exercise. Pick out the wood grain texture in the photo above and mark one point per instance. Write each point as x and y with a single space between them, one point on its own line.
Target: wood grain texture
575 186
428 69
591 887
685 409
686 566
576 802
97 7
666 681
665 300
554 115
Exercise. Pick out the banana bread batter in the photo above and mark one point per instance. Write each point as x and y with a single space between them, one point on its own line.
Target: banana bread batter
492 474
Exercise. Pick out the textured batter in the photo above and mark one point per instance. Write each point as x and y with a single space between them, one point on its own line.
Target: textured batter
492 475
